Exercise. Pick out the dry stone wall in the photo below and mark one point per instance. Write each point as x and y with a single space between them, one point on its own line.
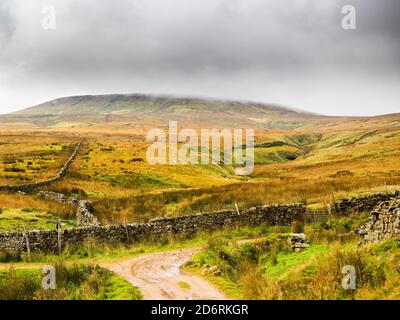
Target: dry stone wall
84 208
28 187
384 223
59 197
365 203
47 240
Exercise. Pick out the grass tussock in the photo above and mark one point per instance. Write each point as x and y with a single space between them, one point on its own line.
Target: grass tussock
73 282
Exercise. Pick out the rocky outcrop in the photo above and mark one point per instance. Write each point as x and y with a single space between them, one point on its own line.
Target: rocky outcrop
365 203
48 240
214 270
384 223
28 187
298 241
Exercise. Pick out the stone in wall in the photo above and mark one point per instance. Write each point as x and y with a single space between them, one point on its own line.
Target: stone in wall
384 223
84 214
298 241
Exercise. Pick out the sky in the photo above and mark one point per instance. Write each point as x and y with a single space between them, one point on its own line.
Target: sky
288 52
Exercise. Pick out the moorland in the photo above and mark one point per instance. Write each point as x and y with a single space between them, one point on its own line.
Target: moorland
299 157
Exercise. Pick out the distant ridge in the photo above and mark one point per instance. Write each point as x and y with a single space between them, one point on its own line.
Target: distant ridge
43 108
92 109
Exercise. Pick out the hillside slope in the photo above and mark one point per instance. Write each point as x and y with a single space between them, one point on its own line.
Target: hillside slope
127 112
153 109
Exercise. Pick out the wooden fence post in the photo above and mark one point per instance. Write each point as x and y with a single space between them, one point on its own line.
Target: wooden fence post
26 236
59 236
334 203
126 231
237 208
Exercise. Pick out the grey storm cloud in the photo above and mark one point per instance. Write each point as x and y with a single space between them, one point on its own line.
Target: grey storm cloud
291 52
7 23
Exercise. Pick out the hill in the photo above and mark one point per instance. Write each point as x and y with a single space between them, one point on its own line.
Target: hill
118 108
135 112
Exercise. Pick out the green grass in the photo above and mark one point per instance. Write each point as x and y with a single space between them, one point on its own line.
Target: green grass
316 206
18 219
136 180
73 282
288 261
120 289
53 147
284 125
184 285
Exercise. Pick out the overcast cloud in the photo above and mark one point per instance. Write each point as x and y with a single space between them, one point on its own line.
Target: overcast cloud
290 52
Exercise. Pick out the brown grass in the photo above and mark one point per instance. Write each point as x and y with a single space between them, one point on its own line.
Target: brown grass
107 170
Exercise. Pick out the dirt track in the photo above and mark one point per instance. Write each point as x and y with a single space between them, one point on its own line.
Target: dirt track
159 277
